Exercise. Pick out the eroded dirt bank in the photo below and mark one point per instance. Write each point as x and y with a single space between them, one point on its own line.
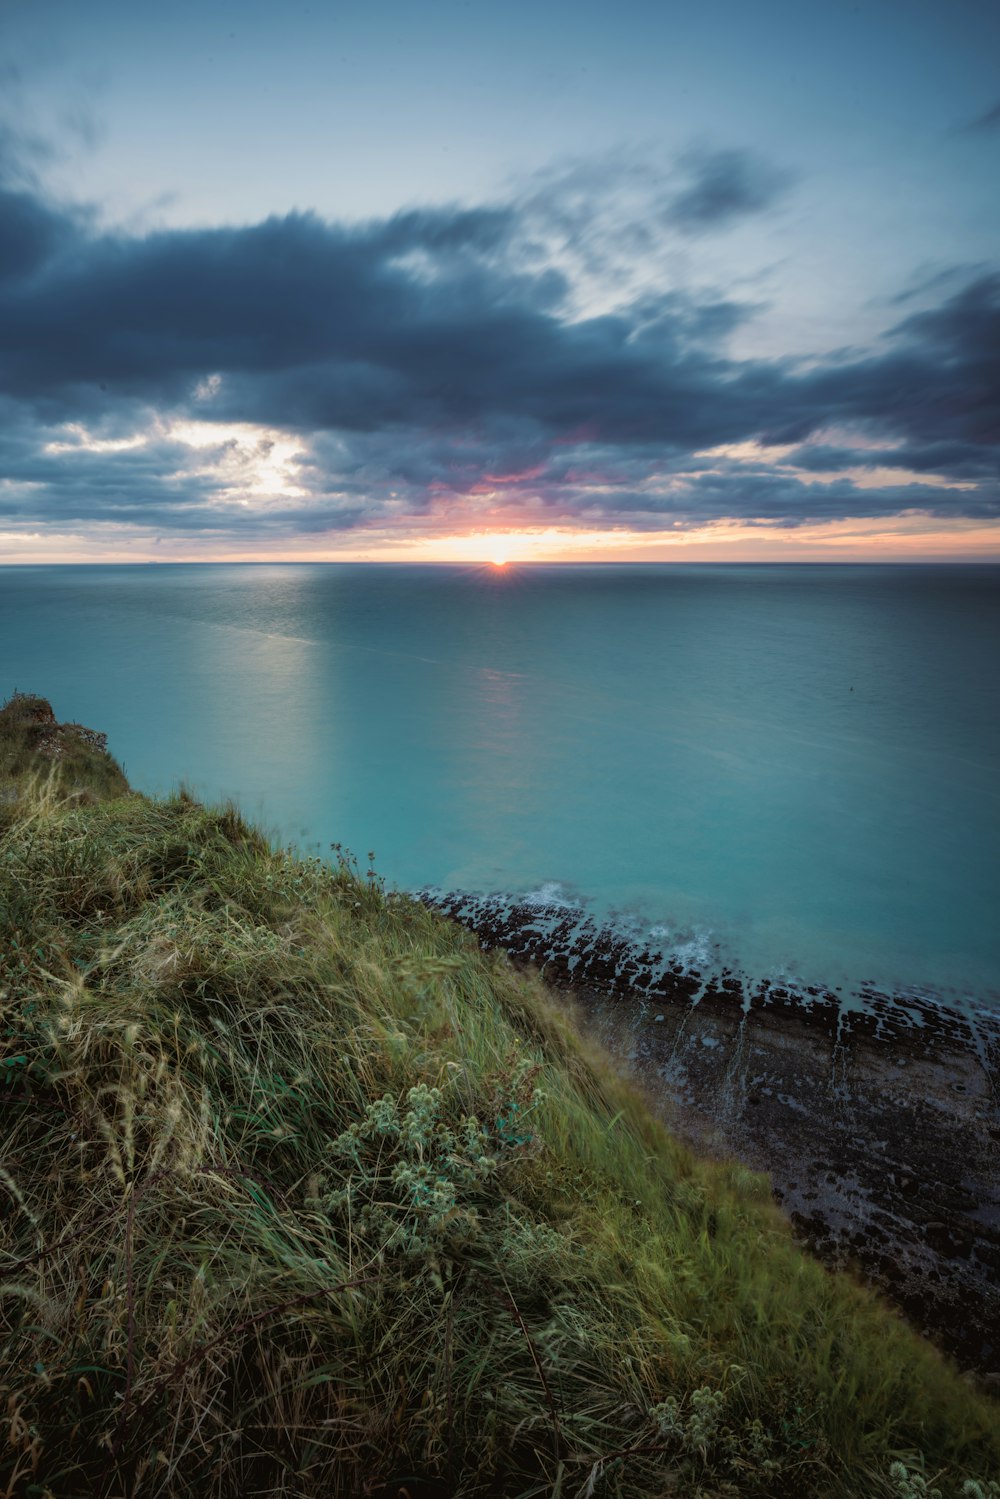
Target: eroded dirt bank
879 1126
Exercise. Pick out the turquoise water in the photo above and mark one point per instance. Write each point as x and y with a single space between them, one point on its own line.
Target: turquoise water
800 765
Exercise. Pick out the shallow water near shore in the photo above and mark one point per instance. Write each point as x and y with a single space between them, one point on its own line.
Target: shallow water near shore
791 770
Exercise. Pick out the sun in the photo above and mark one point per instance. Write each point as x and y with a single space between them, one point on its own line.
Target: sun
499 561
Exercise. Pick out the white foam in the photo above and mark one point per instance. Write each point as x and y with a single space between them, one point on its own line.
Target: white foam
551 893
696 952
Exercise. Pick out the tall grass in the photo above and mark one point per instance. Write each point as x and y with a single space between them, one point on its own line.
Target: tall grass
31 741
302 1194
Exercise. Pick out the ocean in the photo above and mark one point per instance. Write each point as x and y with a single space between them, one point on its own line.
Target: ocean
791 769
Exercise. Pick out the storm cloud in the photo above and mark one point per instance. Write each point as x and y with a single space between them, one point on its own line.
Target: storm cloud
435 361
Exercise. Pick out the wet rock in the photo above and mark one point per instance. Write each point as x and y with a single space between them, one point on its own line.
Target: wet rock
878 1124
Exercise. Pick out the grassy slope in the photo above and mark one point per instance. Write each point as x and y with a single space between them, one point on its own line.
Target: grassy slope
300 1193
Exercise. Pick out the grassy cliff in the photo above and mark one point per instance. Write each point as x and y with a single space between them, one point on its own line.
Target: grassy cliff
302 1194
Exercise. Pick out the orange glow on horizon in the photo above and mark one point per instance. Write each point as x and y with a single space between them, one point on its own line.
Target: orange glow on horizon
911 537
260 476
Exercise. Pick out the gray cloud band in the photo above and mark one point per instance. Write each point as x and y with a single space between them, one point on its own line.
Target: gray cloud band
428 359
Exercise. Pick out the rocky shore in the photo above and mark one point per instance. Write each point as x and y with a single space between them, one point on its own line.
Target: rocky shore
876 1119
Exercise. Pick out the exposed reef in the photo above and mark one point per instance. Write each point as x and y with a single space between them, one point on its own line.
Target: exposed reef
877 1120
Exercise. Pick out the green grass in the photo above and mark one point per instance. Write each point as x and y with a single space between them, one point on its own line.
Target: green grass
31 741
302 1194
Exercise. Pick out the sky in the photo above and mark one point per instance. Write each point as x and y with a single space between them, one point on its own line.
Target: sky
457 281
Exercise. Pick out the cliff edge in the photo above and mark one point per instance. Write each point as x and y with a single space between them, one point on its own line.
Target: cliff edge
302 1193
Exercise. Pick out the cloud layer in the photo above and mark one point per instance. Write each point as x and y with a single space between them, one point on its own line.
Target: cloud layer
301 377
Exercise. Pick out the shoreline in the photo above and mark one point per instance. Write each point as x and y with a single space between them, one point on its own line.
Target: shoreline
879 1127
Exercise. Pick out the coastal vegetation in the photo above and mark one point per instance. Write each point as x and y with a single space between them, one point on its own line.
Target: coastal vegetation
301 1193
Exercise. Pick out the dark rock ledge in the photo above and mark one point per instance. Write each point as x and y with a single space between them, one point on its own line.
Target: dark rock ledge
878 1123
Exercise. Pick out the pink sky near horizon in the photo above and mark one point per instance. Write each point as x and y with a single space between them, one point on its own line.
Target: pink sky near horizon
261 475
907 538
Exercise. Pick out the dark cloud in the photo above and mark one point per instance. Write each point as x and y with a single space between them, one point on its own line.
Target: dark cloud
30 233
967 323
937 380
960 461
724 187
786 501
426 363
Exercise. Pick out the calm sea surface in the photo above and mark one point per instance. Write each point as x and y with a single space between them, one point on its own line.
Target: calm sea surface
798 764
